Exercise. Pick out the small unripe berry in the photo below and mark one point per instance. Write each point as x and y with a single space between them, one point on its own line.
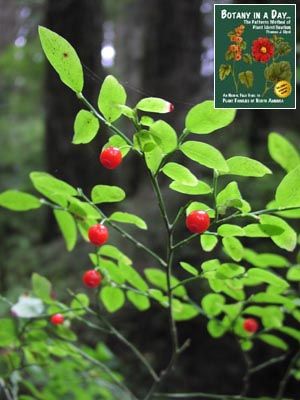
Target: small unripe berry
250 325
197 221
98 234
57 319
92 278
111 157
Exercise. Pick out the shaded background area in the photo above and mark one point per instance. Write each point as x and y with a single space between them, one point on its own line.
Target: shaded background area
155 48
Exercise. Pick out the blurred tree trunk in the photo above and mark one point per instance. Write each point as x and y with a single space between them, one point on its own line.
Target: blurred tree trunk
80 22
172 56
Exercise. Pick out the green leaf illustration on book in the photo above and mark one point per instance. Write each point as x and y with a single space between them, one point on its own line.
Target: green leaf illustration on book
246 78
224 71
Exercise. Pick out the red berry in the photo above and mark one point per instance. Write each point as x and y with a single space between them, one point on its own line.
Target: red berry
171 107
197 221
57 319
92 278
111 157
250 325
98 234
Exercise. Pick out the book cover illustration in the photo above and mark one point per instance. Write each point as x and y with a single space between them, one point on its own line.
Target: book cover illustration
255 56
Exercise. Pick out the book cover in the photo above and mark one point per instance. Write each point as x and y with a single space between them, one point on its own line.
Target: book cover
255 56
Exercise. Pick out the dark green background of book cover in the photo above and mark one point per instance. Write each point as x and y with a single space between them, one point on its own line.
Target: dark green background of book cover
222 42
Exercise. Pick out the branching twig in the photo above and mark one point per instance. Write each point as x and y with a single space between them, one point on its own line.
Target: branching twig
286 376
123 232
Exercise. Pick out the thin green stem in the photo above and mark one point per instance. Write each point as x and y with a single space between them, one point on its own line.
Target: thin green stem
191 237
160 201
266 364
215 192
234 78
130 345
101 118
238 214
123 232
186 281
105 368
179 214
181 138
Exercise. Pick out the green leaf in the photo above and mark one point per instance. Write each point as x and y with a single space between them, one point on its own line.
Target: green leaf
141 302
41 287
127 218
81 300
8 333
189 268
86 126
67 225
200 188
230 196
292 214
113 298
229 270
144 141
294 273
287 239
109 269
273 298
210 265
273 341
159 279
246 78
208 242
288 191
19 201
215 328
185 312
119 142
212 304
272 317
283 152
278 71
198 206
113 252
262 230
245 166
224 71
267 277
265 260
204 118
107 194
133 277
180 174
55 189
153 159
112 95
164 135
294 333
233 248
227 230
154 104
63 58
204 154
